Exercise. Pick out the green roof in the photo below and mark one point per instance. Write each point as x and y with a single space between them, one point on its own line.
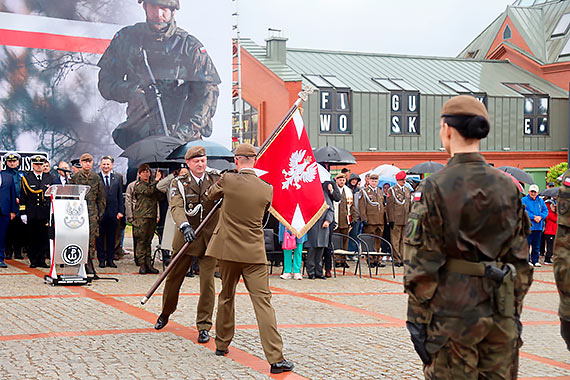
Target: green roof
357 70
260 53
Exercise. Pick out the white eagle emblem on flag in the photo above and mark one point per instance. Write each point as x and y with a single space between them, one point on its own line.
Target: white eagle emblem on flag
300 169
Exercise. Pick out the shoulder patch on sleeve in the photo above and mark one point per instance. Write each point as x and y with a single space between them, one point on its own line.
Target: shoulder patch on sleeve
417 196
566 182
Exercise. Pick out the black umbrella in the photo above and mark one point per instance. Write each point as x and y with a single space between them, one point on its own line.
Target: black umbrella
170 164
150 149
213 150
333 155
519 174
426 167
221 164
552 192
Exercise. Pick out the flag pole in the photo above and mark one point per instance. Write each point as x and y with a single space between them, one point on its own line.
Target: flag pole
303 97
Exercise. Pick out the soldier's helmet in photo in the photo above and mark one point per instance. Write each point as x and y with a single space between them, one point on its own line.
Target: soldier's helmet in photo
175 4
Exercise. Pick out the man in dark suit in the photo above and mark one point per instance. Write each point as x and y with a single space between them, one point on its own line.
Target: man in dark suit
63 173
114 211
34 211
8 210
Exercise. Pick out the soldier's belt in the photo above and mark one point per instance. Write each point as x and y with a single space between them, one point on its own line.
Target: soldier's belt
489 269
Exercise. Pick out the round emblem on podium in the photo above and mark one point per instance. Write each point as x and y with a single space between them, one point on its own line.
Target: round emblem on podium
72 254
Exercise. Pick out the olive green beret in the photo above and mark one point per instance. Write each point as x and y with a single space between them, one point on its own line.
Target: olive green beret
195 151
246 150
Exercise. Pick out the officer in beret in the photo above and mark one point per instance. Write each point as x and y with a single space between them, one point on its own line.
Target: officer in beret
189 206
466 266
96 201
34 211
239 246
15 234
185 77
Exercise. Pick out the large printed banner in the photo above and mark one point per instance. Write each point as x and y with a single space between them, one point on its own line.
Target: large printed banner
99 76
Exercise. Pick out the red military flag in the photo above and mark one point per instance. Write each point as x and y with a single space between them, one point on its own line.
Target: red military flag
286 161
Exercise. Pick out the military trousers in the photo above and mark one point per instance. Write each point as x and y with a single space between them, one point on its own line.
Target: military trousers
38 246
486 348
93 234
207 297
375 229
397 243
257 283
143 231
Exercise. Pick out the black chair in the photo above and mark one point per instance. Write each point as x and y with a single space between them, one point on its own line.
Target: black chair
337 250
368 241
272 251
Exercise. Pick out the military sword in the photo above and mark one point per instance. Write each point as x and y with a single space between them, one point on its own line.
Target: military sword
157 95
179 255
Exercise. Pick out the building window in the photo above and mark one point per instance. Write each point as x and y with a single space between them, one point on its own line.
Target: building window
334 103
250 119
565 50
507 34
536 109
562 26
404 106
466 88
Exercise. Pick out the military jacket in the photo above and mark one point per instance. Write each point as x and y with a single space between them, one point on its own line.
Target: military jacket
371 206
145 197
96 198
562 248
238 236
398 205
468 211
33 201
343 209
185 76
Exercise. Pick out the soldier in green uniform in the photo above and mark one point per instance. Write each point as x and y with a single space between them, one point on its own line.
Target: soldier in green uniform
185 77
466 266
562 257
96 201
145 214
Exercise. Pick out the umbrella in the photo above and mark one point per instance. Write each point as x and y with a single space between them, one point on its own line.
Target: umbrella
150 149
385 170
213 150
552 192
515 181
382 180
324 175
221 164
519 174
426 167
170 164
333 155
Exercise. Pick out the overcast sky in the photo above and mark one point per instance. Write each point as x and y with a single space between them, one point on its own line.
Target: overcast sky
417 27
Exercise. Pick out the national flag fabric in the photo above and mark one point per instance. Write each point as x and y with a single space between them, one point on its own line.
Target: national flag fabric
287 162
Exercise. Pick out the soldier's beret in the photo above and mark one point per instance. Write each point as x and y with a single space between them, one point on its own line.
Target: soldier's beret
400 175
373 176
167 3
246 150
75 162
86 157
12 156
195 151
143 168
464 105
340 175
38 159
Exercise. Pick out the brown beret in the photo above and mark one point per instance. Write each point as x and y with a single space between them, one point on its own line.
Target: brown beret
86 157
464 105
143 168
340 175
195 151
373 176
246 150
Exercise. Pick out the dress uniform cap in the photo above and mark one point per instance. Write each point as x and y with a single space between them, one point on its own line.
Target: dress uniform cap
195 151
37 159
340 175
86 157
400 175
75 162
246 150
12 156
373 176
464 105
167 3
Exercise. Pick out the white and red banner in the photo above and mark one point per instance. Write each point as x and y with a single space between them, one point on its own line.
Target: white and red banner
287 162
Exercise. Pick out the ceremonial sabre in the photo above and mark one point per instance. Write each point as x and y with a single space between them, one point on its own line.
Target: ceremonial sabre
179 255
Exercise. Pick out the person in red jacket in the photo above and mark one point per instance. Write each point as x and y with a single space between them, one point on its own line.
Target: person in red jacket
550 229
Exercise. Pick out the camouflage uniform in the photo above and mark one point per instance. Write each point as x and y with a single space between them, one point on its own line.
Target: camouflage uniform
145 196
562 258
467 214
96 203
185 75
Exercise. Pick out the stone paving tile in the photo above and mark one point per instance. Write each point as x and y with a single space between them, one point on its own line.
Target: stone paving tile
341 284
125 356
545 341
35 316
11 268
394 305
29 285
543 301
531 315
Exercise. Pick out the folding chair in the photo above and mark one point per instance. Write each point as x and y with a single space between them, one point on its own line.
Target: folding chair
272 252
368 241
337 244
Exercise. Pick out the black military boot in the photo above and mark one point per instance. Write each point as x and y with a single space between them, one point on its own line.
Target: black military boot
18 254
8 254
149 268
166 258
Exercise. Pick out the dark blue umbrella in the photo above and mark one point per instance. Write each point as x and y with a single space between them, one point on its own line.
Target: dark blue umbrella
213 150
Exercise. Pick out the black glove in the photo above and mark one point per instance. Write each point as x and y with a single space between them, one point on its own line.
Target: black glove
565 331
419 335
365 222
189 235
519 325
391 225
